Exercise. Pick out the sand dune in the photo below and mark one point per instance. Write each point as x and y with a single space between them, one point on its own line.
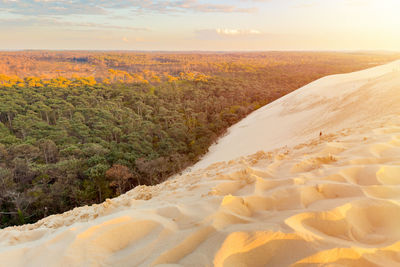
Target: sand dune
284 196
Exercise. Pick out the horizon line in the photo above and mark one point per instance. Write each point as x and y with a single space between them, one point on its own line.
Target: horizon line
205 51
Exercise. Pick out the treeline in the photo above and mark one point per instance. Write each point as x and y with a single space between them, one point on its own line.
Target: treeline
64 145
114 76
53 64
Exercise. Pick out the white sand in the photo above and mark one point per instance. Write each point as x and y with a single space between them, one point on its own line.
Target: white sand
298 199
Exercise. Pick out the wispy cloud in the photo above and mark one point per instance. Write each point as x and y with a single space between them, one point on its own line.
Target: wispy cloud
234 32
50 7
221 33
98 7
61 23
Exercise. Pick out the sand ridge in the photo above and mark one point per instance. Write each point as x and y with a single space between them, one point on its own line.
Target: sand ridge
329 104
332 200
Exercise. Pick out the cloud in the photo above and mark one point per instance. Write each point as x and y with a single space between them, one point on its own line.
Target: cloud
99 7
50 7
237 32
60 23
222 33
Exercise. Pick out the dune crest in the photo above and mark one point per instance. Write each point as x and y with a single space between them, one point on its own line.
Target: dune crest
285 195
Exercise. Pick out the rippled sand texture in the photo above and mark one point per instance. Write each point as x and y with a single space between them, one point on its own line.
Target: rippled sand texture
330 200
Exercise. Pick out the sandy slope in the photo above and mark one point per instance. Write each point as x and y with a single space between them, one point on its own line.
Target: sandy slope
328 105
304 200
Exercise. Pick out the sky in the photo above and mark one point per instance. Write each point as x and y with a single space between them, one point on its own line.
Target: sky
219 25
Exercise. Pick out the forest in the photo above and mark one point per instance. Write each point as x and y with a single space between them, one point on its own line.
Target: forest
79 127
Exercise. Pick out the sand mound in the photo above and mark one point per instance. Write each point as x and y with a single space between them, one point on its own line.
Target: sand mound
285 196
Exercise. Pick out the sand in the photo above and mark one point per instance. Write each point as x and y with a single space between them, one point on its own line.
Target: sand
272 192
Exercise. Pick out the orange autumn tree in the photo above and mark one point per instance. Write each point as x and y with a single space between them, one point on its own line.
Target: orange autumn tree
119 176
